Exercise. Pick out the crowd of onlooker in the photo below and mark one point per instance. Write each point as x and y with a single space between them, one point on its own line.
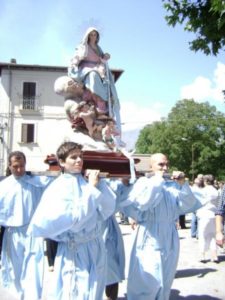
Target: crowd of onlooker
207 223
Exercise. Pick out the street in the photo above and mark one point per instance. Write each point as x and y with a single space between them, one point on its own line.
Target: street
194 280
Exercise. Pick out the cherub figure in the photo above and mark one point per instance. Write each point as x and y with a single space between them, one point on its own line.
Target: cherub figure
74 92
109 133
87 113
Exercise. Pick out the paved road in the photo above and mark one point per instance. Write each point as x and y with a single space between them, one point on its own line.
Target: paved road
194 280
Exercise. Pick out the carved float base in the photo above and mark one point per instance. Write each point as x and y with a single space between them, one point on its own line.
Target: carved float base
112 164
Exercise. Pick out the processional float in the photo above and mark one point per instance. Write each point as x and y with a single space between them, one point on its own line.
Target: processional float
98 132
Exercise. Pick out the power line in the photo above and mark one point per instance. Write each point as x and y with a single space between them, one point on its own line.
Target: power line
174 120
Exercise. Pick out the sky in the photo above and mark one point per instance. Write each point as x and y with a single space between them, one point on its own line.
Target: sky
159 68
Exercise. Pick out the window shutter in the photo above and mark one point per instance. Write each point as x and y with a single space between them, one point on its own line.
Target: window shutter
27 133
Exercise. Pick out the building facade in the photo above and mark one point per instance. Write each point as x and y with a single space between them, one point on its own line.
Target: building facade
32 117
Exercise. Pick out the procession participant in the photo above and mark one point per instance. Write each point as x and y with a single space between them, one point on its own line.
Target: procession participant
51 249
206 219
113 239
80 207
114 242
220 217
156 203
196 190
2 229
19 196
89 65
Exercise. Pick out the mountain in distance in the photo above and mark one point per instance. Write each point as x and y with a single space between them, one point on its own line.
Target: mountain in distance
130 138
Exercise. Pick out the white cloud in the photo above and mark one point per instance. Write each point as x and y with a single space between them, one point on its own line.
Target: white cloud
134 116
203 89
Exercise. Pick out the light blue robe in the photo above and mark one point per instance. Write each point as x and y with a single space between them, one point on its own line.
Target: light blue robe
75 221
113 239
19 198
156 205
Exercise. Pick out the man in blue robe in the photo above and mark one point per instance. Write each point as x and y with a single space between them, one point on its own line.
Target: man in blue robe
114 243
155 204
19 196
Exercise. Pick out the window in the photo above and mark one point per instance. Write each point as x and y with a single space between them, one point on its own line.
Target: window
29 93
28 133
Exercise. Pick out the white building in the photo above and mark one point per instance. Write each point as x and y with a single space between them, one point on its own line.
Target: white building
32 117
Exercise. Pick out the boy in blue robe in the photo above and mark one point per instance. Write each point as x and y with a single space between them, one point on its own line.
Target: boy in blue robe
71 212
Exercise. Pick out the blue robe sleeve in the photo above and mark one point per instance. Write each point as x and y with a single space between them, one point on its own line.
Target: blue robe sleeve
19 198
40 181
145 193
107 203
187 201
120 190
69 203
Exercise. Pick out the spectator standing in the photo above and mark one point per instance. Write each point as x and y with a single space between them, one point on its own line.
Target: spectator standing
206 220
197 190
221 185
220 217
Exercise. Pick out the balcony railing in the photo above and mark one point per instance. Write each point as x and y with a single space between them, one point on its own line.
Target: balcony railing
30 104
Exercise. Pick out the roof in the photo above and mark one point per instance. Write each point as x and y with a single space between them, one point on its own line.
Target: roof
15 66
144 164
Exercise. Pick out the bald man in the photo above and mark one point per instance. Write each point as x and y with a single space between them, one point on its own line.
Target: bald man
156 203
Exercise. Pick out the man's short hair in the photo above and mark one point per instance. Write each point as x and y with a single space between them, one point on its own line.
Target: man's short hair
18 156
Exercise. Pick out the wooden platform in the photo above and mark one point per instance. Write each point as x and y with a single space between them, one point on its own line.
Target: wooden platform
112 164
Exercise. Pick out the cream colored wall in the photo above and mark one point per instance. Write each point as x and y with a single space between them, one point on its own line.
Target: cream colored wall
4 122
52 126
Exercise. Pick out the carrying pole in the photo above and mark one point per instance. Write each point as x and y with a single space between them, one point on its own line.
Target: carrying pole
110 106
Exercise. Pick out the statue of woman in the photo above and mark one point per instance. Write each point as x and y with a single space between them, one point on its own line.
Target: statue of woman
89 65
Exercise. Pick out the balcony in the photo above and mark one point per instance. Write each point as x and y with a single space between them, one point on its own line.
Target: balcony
30 105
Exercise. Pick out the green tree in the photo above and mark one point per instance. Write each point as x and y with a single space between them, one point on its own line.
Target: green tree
193 136
205 18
